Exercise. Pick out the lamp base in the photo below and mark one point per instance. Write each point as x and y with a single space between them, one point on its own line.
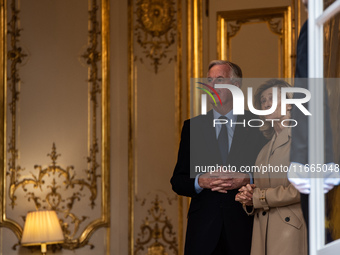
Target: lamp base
43 248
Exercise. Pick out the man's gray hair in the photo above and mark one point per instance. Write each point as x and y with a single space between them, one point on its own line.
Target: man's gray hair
236 74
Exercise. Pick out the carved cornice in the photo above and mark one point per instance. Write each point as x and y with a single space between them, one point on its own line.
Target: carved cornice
274 24
279 21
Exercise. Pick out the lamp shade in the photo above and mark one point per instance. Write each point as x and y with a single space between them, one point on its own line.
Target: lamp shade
42 227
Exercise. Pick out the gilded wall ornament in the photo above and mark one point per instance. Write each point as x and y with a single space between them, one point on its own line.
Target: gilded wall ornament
156 233
156 29
274 24
93 57
55 187
59 190
279 21
15 55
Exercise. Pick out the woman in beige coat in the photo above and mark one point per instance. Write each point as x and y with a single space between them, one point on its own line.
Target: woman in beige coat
279 227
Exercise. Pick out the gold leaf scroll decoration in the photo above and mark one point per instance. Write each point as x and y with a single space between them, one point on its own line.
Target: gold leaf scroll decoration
59 190
45 186
274 24
155 29
156 233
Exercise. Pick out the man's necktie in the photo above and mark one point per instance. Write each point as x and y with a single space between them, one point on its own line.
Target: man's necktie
223 142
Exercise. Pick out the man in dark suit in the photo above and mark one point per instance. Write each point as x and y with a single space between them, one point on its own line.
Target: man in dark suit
217 224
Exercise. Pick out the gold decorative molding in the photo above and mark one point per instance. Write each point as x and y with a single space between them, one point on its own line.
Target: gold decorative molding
278 20
179 112
156 29
195 51
93 57
52 184
135 29
44 187
194 69
156 234
15 55
131 129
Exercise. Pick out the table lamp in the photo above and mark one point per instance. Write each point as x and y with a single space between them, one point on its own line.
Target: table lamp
42 228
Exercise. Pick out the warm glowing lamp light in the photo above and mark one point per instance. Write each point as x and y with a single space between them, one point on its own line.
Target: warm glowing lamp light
42 228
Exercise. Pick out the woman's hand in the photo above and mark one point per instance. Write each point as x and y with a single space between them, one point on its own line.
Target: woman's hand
245 195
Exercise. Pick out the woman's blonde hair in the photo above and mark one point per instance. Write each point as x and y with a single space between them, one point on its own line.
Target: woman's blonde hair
267 129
